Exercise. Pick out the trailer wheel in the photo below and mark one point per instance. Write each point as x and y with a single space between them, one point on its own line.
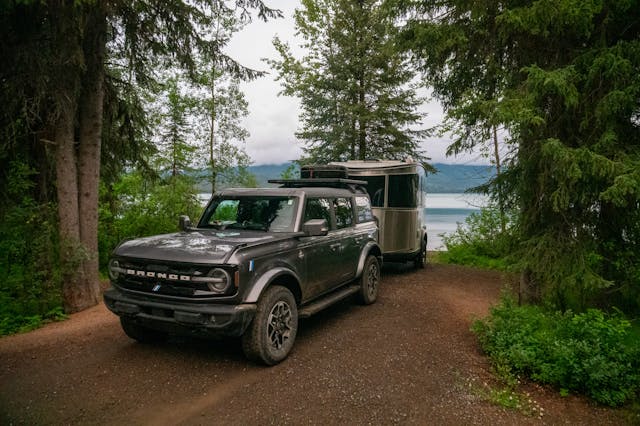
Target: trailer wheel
421 258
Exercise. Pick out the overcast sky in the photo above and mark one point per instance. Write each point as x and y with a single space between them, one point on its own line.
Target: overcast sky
273 119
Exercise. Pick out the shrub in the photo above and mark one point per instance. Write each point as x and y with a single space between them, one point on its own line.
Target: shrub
480 241
591 353
29 266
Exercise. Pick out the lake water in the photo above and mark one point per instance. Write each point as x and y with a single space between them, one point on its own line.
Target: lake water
444 213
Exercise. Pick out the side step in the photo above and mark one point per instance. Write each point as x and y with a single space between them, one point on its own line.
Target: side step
326 301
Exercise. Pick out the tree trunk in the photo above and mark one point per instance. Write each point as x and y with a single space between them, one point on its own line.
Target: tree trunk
529 291
89 150
67 43
68 213
362 131
212 141
503 220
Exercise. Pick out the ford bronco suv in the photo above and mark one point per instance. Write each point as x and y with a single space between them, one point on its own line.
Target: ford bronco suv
256 262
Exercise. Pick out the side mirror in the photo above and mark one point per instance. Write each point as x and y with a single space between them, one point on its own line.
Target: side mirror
184 223
315 228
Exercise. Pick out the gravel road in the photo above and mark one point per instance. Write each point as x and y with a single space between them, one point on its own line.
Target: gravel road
408 359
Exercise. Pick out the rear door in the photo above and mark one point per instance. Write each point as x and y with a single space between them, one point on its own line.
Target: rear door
348 249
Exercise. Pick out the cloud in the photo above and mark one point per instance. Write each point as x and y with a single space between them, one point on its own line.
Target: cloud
273 119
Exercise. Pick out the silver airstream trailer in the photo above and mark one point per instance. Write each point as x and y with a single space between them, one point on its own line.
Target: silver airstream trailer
397 190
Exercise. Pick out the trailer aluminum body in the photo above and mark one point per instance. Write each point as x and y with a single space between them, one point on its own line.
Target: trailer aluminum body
398 196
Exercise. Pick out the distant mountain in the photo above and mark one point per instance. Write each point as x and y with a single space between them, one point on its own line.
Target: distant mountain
456 178
265 172
450 178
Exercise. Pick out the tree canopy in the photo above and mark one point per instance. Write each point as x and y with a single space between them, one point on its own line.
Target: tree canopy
562 77
356 88
71 75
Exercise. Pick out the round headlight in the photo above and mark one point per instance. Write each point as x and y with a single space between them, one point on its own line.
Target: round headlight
114 269
220 280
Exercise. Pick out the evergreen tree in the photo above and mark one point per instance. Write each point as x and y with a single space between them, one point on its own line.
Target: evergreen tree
55 77
563 78
222 106
358 101
177 153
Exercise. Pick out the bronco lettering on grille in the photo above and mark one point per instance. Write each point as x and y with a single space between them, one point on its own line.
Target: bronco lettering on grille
158 275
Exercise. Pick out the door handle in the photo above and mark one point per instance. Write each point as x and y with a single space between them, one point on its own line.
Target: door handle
335 246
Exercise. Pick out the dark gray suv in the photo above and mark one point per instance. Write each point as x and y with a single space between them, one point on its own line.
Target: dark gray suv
257 260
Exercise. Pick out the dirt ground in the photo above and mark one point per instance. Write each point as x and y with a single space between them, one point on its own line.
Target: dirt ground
408 359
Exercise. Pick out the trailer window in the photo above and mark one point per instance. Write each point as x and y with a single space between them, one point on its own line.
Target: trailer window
375 188
403 190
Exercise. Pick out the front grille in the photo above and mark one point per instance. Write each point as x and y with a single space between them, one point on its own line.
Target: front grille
167 279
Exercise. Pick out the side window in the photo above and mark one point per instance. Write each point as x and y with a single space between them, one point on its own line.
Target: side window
375 188
403 191
318 208
344 212
363 209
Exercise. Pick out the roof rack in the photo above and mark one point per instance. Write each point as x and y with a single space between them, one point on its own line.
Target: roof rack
319 182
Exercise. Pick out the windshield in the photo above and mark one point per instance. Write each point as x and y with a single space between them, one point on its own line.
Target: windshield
257 213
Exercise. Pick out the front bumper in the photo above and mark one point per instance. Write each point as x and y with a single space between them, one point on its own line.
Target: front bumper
190 319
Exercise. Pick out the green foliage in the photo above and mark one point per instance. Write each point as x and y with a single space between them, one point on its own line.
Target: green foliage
562 78
137 207
357 93
29 266
174 129
291 172
591 353
479 242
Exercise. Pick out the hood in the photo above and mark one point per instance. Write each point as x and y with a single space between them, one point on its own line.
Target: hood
193 247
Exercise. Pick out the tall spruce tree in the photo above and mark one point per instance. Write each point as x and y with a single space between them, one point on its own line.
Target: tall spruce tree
358 101
563 77
177 151
223 107
63 46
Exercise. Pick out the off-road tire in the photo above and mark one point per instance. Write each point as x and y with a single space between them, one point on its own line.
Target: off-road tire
369 281
140 333
272 333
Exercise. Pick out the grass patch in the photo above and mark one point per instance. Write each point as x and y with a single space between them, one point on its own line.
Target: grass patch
507 396
23 323
464 255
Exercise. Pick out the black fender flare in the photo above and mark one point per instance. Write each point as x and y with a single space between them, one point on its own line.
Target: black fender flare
265 281
368 248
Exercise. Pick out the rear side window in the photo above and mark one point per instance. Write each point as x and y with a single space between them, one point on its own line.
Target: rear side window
318 208
375 188
403 191
363 209
344 212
